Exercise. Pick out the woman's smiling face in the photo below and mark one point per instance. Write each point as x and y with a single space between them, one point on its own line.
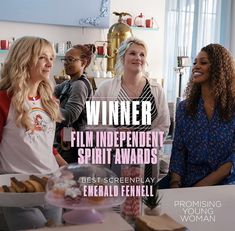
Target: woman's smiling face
42 68
135 58
201 68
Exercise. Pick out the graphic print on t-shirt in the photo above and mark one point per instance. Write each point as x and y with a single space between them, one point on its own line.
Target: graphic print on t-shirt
41 122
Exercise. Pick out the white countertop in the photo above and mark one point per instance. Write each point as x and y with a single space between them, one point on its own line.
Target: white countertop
113 221
213 207
217 207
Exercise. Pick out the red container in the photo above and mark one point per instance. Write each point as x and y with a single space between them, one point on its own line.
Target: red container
4 44
129 21
149 23
100 50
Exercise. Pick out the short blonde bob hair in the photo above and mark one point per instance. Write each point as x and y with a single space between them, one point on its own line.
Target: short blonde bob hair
122 51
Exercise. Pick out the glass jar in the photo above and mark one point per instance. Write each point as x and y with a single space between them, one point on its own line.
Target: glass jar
131 208
140 20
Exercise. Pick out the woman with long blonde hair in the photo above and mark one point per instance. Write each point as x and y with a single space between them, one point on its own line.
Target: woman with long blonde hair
28 112
16 79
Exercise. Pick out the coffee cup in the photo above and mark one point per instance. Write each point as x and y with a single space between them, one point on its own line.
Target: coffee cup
96 74
109 74
103 74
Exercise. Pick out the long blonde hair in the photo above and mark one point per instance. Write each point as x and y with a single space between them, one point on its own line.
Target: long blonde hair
15 77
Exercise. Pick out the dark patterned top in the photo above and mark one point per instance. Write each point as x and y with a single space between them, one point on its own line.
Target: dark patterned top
146 95
200 145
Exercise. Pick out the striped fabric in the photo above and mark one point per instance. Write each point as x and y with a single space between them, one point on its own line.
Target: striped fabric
146 95
147 171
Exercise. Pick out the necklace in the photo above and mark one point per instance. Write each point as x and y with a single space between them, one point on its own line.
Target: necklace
135 92
33 99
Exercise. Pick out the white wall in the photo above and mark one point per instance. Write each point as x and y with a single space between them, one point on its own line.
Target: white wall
52 33
154 39
232 40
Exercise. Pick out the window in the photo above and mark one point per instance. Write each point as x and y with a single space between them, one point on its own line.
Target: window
190 25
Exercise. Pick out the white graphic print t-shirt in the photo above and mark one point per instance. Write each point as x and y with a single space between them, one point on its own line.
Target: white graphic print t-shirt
30 151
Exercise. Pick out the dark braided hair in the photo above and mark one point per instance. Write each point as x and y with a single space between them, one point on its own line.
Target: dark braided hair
86 52
222 82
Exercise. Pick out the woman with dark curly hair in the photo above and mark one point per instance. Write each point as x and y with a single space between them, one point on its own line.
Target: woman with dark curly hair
73 95
204 140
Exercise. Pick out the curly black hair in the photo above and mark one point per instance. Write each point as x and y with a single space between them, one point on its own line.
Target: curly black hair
222 82
86 52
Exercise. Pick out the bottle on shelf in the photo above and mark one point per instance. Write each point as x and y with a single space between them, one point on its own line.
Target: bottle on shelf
11 41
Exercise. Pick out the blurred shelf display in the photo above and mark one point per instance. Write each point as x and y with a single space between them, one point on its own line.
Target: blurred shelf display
144 28
101 56
3 51
6 51
60 55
